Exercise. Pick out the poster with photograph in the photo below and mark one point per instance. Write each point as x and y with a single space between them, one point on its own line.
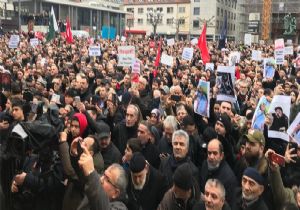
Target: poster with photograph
269 68
256 55
280 112
294 129
260 113
201 102
225 81
234 57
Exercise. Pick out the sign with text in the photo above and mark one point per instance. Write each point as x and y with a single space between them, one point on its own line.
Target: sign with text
170 42
187 53
194 41
136 67
34 42
166 59
94 50
126 55
289 50
279 51
14 41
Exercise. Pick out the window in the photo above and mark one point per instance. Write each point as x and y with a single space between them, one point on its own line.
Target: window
197 11
218 11
169 10
140 10
149 9
196 0
196 24
217 26
222 12
140 21
170 21
181 9
159 9
181 21
130 10
129 23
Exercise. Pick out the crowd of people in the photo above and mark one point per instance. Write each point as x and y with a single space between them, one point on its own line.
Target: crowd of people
81 132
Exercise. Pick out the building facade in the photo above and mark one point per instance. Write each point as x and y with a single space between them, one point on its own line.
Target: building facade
184 17
84 15
279 9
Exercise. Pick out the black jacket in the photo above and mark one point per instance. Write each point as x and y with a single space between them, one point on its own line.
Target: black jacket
152 193
224 174
151 154
169 165
111 155
239 204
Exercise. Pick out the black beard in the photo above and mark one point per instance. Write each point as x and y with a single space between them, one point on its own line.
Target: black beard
251 159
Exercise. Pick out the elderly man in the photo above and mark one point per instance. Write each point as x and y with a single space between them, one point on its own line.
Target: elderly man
215 167
180 143
128 129
250 195
214 196
146 187
103 192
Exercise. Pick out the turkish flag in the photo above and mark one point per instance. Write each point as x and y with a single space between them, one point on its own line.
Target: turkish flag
69 36
157 60
202 44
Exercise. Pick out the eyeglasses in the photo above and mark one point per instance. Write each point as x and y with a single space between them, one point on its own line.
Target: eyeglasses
107 179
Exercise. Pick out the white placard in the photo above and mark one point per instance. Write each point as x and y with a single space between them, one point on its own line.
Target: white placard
170 42
294 129
14 41
194 41
187 53
126 55
289 50
279 51
234 58
34 42
289 42
280 109
123 38
94 50
210 66
136 67
248 39
166 59
256 55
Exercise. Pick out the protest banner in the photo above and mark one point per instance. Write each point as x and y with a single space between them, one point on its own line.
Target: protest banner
294 129
187 53
248 39
14 41
34 42
279 51
256 55
126 55
166 59
136 67
289 50
201 103
170 42
280 110
225 81
94 50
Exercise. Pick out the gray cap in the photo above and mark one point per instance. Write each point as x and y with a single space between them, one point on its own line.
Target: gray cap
165 89
42 81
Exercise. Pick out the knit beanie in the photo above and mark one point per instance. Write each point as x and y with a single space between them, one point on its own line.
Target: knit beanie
82 122
137 162
226 121
183 177
253 174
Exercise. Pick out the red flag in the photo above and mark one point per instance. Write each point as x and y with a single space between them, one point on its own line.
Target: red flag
69 36
157 60
203 46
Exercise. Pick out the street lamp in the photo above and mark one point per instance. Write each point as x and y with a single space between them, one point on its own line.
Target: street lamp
154 17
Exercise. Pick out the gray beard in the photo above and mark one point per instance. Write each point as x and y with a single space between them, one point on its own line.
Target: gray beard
212 167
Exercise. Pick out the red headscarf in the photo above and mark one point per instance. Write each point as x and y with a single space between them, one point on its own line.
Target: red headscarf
82 122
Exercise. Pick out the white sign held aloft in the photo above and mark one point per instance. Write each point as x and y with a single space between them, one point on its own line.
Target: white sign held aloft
94 51
34 42
289 50
256 55
248 39
166 59
170 42
187 53
194 41
279 51
126 55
